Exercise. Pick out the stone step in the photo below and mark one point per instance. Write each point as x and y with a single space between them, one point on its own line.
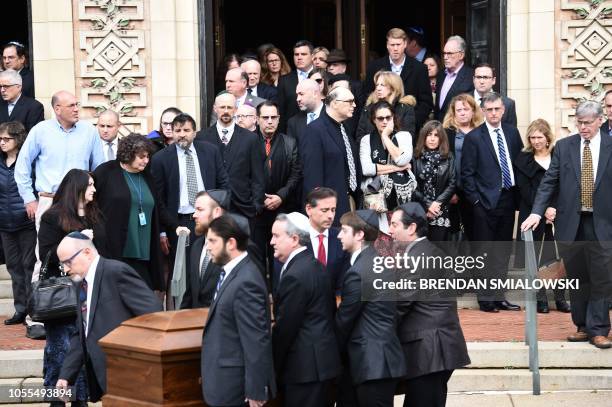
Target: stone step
473 380
6 289
19 364
6 307
566 355
4 275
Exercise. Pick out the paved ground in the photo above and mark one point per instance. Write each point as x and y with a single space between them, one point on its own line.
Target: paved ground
505 326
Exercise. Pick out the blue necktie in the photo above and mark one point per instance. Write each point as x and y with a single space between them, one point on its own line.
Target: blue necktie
311 117
219 283
503 163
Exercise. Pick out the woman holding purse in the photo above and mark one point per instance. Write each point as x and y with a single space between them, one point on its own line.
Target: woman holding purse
530 166
73 209
385 156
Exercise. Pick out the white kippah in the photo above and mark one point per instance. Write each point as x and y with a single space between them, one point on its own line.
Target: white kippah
299 221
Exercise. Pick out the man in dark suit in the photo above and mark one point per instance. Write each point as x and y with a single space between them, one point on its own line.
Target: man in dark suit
15 106
252 67
428 326
329 156
302 58
308 96
489 185
579 179
236 83
237 360
606 127
110 292
305 351
242 157
372 355
456 78
282 174
484 79
413 74
14 57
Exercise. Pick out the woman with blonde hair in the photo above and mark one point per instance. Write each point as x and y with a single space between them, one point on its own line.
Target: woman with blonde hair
273 66
463 116
529 169
319 57
390 88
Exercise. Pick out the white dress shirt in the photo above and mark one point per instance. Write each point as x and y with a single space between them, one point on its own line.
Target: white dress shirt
184 206
11 105
314 239
355 254
397 69
594 146
90 278
291 256
231 265
113 147
493 136
230 131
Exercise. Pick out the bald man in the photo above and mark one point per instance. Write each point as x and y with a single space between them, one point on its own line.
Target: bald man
310 103
242 156
108 128
329 155
255 87
246 117
125 296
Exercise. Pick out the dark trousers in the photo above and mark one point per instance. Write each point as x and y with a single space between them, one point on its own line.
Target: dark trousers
376 393
20 259
262 234
427 391
314 394
586 260
489 228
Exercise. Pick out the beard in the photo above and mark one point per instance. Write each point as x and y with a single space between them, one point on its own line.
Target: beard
201 229
222 259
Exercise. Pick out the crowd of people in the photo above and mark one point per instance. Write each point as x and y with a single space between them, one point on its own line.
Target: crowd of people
301 179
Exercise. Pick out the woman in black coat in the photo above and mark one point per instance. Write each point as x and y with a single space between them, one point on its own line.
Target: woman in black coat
529 168
434 169
128 200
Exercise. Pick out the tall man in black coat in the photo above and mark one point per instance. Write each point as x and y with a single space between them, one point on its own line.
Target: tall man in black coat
237 361
111 292
455 79
484 80
302 59
14 105
428 327
329 155
242 157
305 350
489 185
365 328
579 175
282 173
413 74
181 171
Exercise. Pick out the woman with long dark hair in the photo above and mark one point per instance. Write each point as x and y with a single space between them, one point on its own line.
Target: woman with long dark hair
74 209
434 168
273 66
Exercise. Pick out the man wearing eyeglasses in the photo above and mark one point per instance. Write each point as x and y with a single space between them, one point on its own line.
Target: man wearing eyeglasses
246 117
456 78
111 292
15 106
282 175
329 155
484 79
14 57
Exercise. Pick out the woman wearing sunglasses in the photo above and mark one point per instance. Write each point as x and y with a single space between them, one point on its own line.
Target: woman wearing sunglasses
74 208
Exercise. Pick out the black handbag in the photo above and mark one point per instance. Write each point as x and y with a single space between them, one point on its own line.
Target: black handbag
52 298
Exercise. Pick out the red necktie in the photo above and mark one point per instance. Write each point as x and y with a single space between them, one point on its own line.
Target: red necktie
321 253
268 149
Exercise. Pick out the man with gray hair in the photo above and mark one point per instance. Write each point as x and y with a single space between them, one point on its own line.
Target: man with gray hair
15 106
304 307
236 83
456 78
252 67
577 182
329 156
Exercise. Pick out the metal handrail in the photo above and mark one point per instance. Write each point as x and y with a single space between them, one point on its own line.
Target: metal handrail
531 321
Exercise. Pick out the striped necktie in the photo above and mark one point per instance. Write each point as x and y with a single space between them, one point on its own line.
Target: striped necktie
503 162
219 283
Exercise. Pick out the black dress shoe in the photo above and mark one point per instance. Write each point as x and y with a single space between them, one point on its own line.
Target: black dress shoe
507 306
543 307
563 306
487 306
36 332
17 318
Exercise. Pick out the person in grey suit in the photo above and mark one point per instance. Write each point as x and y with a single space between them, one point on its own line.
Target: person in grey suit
484 79
236 83
579 177
110 292
237 362
365 330
429 331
